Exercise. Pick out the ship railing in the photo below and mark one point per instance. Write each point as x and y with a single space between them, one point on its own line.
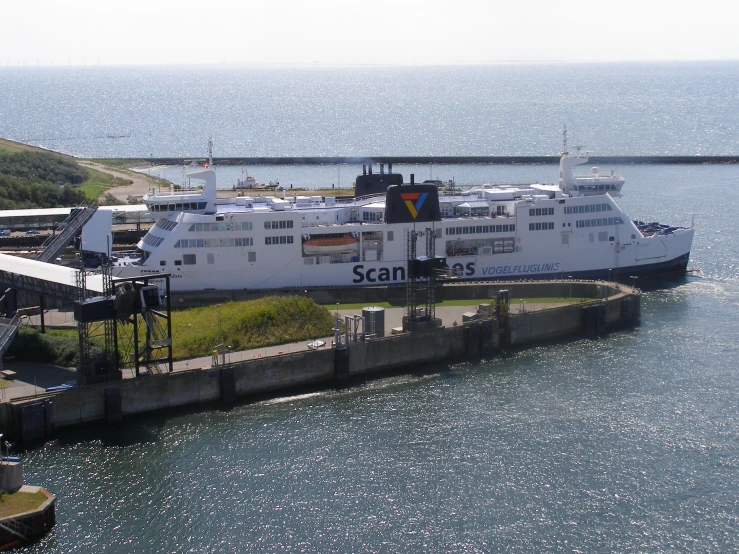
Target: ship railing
357 222
361 199
153 193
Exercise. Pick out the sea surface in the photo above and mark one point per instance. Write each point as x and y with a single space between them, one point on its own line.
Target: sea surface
627 443
516 109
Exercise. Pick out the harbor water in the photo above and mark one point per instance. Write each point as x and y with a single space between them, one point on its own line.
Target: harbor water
626 443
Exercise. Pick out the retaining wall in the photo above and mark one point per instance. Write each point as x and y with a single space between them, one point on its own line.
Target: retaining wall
34 418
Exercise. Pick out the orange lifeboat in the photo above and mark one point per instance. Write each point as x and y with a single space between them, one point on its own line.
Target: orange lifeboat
330 245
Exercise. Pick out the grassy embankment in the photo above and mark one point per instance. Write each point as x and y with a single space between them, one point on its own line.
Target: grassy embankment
12 503
250 324
196 331
95 183
98 182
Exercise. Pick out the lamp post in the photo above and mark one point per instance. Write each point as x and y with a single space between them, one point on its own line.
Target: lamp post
570 278
220 329
189 339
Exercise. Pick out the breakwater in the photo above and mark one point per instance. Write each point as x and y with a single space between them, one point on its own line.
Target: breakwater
451 160
612 306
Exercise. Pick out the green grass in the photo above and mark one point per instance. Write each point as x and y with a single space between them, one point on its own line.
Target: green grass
56 346
118 163
92 192
98 182
243 325
196 331
10 147
4 383
12 503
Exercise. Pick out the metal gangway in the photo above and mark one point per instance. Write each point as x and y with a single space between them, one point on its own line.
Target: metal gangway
8 329
54 245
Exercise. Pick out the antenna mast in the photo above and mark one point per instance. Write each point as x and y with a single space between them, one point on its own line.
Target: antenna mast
564 139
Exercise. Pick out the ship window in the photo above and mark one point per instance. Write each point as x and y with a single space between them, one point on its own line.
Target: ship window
162 262
542 226
390 235
278 240
178 262
188 259
202 205
280 224
252 256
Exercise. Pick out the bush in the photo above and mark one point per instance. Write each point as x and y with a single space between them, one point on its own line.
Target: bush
32 346
39 180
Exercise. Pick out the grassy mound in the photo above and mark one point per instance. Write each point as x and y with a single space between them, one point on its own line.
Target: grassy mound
250 324
196 331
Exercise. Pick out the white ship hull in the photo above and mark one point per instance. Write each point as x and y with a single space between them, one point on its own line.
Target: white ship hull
563 251
530 232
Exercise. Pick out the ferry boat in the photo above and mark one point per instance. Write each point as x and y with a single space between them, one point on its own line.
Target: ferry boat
531 231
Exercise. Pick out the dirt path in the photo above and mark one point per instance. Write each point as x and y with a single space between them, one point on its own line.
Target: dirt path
140 182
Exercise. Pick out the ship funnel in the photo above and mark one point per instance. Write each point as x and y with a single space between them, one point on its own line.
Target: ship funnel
370 170
382 169
413 178
389 168
364 169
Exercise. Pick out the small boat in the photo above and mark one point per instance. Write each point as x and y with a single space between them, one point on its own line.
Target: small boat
248 183
330 245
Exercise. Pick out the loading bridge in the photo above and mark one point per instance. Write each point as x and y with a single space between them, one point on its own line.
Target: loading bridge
54 245
94 295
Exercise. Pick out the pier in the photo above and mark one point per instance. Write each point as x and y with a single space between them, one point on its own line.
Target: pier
493 329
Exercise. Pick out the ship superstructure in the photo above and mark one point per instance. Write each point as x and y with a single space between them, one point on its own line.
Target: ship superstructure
500 232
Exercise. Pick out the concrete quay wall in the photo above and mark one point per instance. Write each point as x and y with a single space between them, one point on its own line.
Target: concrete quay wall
37 418
372 356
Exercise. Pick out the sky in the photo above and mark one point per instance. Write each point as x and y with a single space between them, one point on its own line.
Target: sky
352 32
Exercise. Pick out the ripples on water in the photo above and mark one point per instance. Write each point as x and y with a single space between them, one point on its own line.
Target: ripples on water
588 445
613 109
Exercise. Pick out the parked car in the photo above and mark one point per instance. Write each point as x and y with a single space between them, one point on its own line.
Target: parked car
4 233
32 232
